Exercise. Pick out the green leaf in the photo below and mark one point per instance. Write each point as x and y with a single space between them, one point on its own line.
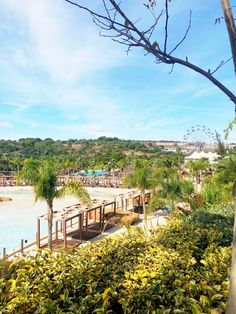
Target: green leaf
196 309
217 296
105 292
203 262
204 300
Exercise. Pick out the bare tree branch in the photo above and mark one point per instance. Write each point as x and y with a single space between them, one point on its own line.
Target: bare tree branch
185 35
220 65
129 35
153 26
166 24
172 68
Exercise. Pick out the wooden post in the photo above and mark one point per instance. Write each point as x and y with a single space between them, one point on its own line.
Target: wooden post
103 216
86 223
22 246
100 218
122 201
4 253
114 206
37 239
117 202
56 230
95 216
81 227
64 234
38 233
139 200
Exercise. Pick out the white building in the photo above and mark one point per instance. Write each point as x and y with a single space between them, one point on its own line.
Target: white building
212 157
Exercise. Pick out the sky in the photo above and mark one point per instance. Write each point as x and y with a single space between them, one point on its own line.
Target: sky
60 79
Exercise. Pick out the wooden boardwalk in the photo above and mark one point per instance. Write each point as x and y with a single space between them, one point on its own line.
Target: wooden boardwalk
78 223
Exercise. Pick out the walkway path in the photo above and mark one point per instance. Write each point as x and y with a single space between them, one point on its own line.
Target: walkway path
159 218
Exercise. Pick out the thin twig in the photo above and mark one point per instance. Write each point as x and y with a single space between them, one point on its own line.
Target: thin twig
172 68
151 29
220 65
166 25
185 35
106 9
94 14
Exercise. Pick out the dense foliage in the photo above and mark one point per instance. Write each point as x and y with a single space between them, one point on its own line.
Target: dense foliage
75 153
181 268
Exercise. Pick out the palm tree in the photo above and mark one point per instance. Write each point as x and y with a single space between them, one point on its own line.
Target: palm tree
169 189
16 163
198 168
141 179
187 191
163 170
43 177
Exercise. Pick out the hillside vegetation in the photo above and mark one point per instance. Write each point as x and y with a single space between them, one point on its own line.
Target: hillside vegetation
75 153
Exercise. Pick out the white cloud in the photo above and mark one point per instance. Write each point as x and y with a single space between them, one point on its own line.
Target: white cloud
67 50
52 57
6 124
56 59
17 106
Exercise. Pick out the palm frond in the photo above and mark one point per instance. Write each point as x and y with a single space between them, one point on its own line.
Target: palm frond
30 172
75 189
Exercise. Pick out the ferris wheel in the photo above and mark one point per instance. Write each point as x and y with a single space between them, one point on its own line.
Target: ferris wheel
201 138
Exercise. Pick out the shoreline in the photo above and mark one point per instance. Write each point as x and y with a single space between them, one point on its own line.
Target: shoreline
94 189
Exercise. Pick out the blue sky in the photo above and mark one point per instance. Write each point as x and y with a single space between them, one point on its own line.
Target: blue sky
60 79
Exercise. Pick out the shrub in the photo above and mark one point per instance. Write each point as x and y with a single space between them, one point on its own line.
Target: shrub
180 268
214 193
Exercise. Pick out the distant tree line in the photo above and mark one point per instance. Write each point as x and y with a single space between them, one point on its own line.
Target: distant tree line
104 152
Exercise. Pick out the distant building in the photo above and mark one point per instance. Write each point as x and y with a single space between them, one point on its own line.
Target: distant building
212 157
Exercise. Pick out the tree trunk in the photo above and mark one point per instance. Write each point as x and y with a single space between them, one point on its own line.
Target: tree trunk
229 20
232 290
50 222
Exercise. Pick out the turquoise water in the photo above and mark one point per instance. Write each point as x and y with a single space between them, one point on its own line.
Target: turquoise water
97 173
91 173
18 217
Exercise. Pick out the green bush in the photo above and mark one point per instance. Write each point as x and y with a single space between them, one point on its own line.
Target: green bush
213 193
180 268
